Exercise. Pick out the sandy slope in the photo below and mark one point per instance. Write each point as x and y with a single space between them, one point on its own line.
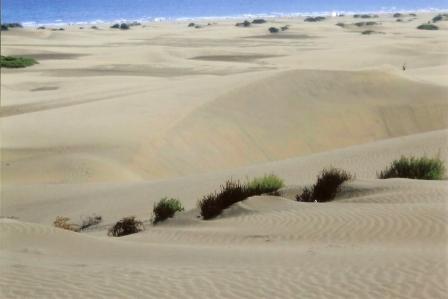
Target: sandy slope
111 121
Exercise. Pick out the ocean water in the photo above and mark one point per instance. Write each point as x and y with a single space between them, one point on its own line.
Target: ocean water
35 12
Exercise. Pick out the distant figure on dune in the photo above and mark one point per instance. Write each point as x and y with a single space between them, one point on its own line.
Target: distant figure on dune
404 67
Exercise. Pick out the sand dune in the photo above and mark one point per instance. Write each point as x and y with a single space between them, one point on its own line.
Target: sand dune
111 121
296 113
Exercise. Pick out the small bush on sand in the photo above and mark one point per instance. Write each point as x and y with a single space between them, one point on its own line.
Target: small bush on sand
63 222
126 226
440 17
314 19
367 32
246 23
191 25
340 24
16 62
415 168
428 27
274 30
94 27
124 26
166 208
232 192
327 186
259 21
266 184
6 26
284 28
397 15
89 221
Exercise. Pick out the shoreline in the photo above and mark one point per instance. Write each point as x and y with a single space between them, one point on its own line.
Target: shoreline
273 15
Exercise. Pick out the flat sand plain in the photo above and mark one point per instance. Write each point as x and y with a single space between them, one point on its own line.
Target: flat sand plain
110 121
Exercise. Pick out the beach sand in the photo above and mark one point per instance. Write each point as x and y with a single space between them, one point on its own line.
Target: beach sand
110 121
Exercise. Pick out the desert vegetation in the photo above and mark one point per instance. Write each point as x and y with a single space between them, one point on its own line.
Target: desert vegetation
90 221
422 168
259 21
428 27
314 19
122 26
64 223
6 26
440 17
126 226
328 184
166 208
246 23
16 62
274 30
232 192
365 16
362 24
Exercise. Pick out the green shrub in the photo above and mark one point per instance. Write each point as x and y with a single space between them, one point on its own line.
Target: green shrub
6 26
284 28
259 21
232 192
166 208
16 62
267 183
340 24
327 186
415 168
115 26
124 26
191 25
367 32
428 27
274 30
397 15
440 17
126 226
246 23
314 19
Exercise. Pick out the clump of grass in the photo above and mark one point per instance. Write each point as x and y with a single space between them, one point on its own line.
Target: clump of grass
6 26
64 223
94 27
232 192
440 17
267 183
259 21
284 28
191 25
246 23
340 24
328 184
314 19
428 27
274 30
367 32
16 62
166 208
362 24
364 16
398 15
89 221
126 226
423 168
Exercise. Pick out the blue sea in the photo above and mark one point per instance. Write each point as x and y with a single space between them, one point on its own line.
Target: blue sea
36 12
